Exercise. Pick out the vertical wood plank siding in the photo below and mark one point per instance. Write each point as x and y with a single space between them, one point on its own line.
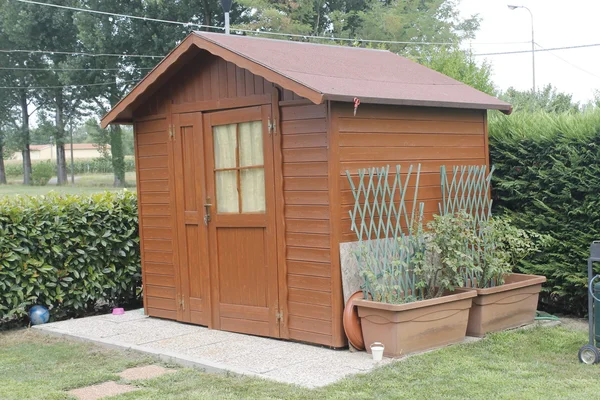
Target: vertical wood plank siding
306 193
389 135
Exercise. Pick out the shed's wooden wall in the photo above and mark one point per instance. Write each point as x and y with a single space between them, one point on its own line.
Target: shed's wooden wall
389 135
307 221
304 139
156 216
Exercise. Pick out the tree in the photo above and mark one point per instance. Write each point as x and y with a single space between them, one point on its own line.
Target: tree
7 117
43 28
409 20
460 65
21 97
546 99
51 29
114 35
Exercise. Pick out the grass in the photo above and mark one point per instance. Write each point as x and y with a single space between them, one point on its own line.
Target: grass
530 364
84 184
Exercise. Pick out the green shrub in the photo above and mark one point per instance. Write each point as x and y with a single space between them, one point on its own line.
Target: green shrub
547 180
13 168
41 173
68 253
81 166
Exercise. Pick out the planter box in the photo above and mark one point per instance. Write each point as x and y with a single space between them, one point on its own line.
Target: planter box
507 306
421 325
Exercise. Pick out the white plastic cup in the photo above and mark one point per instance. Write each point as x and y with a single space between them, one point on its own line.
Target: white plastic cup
377 351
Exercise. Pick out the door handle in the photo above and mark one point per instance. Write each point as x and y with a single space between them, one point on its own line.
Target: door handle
207 207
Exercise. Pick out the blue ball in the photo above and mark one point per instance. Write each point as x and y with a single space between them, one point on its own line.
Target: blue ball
38 315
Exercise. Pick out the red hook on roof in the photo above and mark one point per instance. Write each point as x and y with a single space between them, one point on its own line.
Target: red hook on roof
356 104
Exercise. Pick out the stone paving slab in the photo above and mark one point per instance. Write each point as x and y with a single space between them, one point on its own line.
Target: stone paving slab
217 351
145 372
101 390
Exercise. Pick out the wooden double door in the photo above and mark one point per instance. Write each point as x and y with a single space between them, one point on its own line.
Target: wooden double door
226 220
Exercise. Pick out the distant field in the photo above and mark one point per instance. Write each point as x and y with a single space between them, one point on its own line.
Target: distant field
84 184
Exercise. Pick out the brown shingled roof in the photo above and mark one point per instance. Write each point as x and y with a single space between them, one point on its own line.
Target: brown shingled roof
325 72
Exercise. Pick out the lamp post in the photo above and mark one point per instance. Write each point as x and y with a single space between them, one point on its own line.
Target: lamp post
532 41
226 4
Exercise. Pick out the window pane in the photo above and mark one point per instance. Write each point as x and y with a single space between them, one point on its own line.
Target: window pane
253 190
225 143
251 143
227 195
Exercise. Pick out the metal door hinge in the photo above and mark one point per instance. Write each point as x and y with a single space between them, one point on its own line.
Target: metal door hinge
279 316
272 126
171 131
182 303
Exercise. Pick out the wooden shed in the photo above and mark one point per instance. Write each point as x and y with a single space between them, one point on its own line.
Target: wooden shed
241 150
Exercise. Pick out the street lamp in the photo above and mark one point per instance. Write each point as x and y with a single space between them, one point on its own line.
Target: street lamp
532 41
226 4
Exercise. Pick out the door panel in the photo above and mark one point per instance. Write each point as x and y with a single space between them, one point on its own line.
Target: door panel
191 232
242 234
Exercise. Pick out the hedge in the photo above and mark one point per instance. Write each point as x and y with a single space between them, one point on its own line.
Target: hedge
81 166
69 253
548 179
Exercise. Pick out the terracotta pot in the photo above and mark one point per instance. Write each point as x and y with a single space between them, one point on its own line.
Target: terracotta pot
506 306
351 322
421 325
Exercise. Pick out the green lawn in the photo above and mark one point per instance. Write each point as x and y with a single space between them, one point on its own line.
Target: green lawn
84 184
529 364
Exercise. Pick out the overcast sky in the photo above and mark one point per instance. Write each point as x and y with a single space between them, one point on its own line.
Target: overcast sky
557 23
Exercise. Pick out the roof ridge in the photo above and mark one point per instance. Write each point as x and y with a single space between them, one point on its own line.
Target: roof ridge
202 33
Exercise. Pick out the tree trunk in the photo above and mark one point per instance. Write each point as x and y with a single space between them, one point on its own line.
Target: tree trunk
207 14
2 169
118 159
61 162
25 132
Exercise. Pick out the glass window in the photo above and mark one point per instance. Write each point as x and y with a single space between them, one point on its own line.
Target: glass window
253 190
225 146
239 167
251 145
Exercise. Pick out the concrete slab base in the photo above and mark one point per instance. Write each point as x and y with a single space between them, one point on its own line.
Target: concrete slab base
216 351
219 351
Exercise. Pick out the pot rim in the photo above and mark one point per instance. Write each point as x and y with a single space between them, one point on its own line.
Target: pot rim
457 295
522 280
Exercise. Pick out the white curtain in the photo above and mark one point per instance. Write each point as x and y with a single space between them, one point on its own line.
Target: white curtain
251 154
225 142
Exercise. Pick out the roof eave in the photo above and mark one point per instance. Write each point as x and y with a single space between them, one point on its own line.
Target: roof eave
504 108
115 115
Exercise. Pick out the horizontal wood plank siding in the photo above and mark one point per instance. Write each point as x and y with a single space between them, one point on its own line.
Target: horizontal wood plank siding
395 135
155 216
306 195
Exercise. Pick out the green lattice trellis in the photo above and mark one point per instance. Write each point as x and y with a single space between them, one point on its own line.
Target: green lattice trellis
467 188
383 226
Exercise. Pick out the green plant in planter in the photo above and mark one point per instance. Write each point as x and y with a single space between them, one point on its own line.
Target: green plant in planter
423 264
447 255
387 268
